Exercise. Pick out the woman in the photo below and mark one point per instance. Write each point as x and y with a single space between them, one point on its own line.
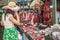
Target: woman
8 21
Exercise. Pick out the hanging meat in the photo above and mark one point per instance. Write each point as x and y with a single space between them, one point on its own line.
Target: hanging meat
47 14
23 16
36 18
39 14
29 18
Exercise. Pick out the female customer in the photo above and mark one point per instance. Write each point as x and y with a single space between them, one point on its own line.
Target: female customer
8 21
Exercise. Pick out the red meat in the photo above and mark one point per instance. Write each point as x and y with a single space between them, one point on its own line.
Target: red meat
47 13
36 18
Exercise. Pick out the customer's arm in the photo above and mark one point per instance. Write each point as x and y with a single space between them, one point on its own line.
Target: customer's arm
15 21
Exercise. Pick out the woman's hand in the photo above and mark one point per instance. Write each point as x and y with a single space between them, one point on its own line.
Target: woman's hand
21 24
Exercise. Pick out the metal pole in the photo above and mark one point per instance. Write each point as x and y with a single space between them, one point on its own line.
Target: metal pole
54 3
56 11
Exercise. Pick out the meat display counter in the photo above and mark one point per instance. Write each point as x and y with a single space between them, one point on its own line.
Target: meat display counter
27 35
32 33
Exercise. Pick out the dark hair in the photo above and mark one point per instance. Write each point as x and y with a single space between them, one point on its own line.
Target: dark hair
8 11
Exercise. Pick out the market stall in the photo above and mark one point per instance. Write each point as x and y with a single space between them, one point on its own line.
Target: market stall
37 17
32 14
